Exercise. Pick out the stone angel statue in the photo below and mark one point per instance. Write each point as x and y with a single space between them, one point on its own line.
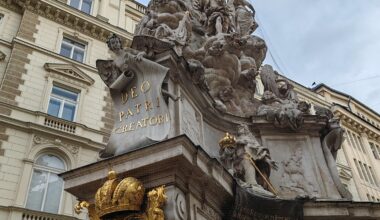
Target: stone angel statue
268 77
115 73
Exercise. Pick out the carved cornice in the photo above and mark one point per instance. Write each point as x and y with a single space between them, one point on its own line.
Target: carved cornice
355 123
64 14
68 71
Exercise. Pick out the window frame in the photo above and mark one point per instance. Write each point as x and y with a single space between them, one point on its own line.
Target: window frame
63 101
374 150
73 47
81 4
49 170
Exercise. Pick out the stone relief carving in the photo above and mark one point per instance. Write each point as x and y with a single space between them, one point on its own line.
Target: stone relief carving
42 140
293 177
110 70
280 102
248 161
214 42
135 84
2 56
180 209
224 58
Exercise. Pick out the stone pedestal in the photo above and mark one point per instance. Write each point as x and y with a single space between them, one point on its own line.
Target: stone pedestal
197 186
303 170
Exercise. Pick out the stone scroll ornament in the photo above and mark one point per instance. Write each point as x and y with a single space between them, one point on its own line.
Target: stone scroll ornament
141 114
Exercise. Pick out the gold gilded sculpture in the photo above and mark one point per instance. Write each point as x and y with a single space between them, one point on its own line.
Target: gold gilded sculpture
103 197
81 205
123 200
227 141
156 199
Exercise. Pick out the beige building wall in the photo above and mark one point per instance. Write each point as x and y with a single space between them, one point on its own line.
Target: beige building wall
361 149
31 36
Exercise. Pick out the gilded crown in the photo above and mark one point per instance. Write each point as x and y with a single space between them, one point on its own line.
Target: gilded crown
227 141
116 196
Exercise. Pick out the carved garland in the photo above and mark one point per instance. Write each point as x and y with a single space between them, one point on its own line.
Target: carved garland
74 150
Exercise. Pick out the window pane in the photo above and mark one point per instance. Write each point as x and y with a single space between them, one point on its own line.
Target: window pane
68 112
37 190
52 161
53 194
54 106
64 93
65 50
78 55
75 3
86 6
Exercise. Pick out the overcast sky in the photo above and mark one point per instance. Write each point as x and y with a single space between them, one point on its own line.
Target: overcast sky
336 42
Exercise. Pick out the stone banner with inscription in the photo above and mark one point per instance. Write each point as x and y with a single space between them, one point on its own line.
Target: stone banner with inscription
141 114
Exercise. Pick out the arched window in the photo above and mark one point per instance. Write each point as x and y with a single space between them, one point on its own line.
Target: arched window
46 187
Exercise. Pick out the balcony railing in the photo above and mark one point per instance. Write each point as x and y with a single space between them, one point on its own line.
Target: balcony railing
18 213
60 124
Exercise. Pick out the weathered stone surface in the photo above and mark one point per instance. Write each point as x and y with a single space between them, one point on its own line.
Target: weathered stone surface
141 114
196 184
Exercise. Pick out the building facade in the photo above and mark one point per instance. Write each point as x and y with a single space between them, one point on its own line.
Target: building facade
359 159
55 112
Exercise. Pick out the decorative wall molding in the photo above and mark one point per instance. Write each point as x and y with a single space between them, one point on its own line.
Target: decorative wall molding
68 72
64 14
356 124
43 140
180 208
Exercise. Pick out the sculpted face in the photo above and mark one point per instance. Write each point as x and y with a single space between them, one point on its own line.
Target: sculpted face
216 49
282 87
226 94
114 43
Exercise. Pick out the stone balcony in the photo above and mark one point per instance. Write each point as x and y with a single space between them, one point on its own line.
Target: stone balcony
36 121
17 213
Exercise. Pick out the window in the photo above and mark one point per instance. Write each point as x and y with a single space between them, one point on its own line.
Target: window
46 187
369 174
373 175
350 139
374 150
358 168
83 5
360 143
63 103
72 49
1 17
363 171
